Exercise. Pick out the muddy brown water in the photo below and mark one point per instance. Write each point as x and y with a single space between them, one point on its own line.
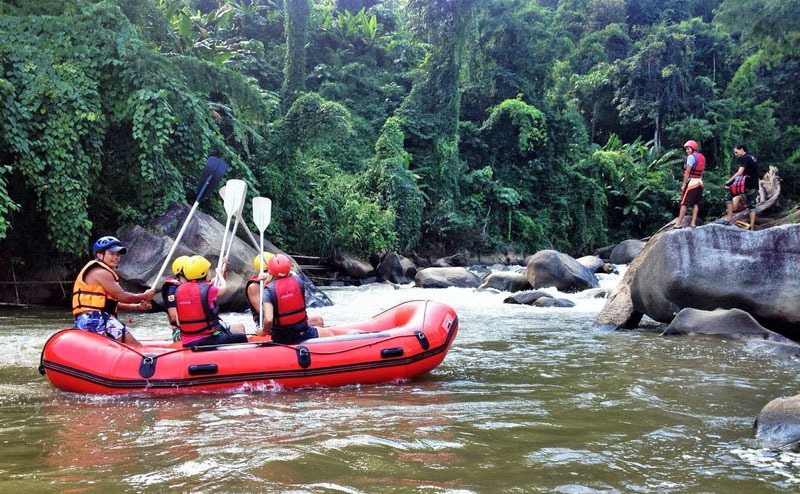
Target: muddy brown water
528 400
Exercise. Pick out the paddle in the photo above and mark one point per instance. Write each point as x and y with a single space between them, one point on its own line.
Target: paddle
262 214
244 223
212 173
234 195
236 223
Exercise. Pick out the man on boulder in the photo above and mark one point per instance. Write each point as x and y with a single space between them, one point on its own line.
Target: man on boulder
692 187
97 295
743 185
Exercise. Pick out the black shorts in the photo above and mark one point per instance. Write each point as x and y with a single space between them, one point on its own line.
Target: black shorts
222 336
291 336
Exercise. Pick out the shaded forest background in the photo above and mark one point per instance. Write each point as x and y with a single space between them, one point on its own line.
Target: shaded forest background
412 125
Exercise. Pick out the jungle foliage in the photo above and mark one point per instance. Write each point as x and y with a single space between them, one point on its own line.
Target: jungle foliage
414 125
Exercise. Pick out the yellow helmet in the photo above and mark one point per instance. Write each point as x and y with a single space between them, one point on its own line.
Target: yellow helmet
267 256
196 268
177 264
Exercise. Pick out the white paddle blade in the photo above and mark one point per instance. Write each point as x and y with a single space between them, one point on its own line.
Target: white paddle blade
262 212
222 191
235 191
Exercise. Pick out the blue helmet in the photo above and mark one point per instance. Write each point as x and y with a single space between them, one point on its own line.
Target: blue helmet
108 243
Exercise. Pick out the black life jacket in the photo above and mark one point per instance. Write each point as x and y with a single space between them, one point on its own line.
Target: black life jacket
168 291
253 310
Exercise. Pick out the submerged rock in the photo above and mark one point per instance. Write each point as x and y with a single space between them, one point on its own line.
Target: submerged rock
507 281
527 297
732 324
445 278
551 268
778 424
553 302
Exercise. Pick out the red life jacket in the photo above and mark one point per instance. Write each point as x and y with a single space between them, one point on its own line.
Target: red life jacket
288 301
194 313
738 185
253 310
698 167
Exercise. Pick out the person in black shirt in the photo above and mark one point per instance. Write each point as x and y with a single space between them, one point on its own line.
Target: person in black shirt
746 175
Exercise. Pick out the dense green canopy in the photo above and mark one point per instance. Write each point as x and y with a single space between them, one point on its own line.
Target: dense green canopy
427 125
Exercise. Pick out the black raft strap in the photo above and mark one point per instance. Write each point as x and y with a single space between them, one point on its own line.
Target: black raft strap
147 367
423 340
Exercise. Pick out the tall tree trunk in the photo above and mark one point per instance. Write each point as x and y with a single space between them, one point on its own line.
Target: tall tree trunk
297 13
657 135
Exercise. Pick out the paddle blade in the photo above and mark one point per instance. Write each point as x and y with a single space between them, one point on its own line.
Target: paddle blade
235 191
262 212
212 174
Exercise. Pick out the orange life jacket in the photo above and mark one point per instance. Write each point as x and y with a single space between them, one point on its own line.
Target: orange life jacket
88 297
698 167
195 315
288 301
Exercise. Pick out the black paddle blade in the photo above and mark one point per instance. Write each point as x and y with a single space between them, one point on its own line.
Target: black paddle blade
212 173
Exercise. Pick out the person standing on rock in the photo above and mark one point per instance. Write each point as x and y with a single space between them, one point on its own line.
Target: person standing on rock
743 185
168 290
692 186
197 309
284 306
97 294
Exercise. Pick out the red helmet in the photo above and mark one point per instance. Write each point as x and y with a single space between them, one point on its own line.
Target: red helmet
279 266
690 144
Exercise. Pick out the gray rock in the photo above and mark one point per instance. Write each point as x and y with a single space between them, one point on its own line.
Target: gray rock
609 268
551 268
506 281
723 267
731 324
353 266
604 252
445 278
147 249
778 424
626 251
553 302
396 269
595 293
527 297
592 263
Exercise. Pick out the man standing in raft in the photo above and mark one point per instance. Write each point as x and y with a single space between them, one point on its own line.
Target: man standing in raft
284 306
692 188
97 295
197 309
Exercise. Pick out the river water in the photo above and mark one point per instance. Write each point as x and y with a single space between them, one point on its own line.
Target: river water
528 400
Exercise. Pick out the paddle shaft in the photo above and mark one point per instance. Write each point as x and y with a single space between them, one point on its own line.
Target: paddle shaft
261 284
222 250
178 239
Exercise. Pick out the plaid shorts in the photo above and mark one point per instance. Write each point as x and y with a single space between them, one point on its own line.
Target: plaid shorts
101 323
750 198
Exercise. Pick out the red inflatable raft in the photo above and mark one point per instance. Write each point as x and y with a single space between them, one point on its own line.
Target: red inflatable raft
398 344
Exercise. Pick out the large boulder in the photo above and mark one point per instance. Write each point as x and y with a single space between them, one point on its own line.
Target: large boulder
551 268
396 269
353 266
147 249
506 281
592 263
626 251
445 278
732 324
528 297
778 424
723 267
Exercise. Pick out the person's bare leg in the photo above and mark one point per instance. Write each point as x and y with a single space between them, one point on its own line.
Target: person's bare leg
695 210
128 339
729 212
752 220
316 321
237 328
679 222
